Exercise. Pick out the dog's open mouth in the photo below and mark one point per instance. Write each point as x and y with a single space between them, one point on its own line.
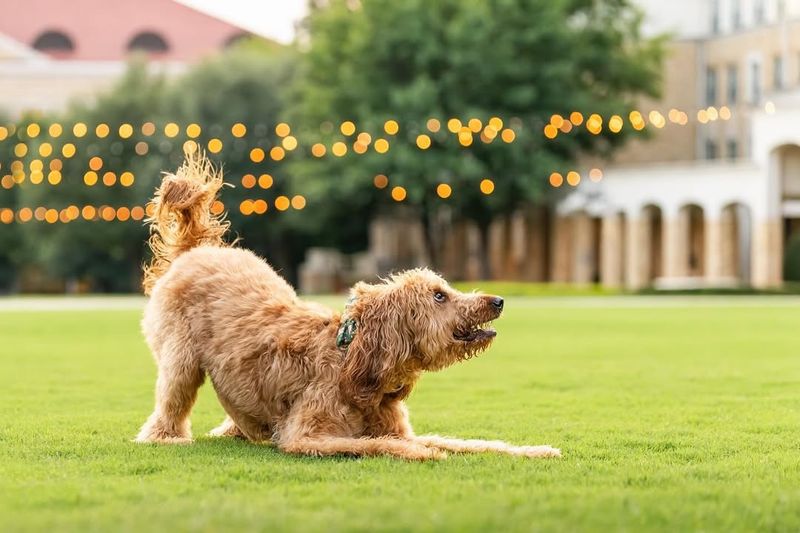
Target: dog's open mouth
475 333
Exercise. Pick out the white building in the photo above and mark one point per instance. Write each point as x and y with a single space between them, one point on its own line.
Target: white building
714 202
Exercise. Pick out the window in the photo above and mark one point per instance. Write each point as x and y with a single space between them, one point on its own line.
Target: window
715 17
148 42
711 86
54 42
758 11
711 149
736 14
733 84
755 83
733 149
777 72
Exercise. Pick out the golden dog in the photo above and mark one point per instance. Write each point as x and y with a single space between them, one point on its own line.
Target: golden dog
313 381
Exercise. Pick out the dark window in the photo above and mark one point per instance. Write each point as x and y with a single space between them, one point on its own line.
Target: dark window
755 83
733 149
54 42
733 84
711 86
711 149
148 42
777 72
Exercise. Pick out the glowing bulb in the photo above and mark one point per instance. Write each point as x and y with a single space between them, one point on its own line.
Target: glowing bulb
391 127
398 194
444 190
487 186
380 181
423 142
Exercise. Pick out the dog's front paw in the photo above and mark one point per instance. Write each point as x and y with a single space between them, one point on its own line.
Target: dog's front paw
537 451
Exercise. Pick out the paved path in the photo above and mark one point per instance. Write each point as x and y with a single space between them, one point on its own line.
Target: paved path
102 303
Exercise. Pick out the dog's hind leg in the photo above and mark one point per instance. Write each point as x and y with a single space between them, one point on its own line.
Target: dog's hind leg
179 377
228 428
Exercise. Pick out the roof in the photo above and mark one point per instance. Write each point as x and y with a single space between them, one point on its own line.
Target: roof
102 29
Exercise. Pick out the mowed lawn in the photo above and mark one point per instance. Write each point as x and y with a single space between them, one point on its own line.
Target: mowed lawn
671 415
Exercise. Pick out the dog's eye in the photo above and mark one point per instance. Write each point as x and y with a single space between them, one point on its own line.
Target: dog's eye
439 296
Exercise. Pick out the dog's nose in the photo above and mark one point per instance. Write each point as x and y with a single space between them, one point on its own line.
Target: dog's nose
497 303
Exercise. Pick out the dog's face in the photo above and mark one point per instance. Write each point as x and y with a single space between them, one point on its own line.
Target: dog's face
414 321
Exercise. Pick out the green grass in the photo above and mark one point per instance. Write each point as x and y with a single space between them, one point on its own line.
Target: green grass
669 418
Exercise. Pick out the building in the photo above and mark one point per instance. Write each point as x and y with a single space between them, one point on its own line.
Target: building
711 199
713 202
52 52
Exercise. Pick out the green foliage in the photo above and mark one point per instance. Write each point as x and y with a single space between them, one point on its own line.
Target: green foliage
242 85
520 60
791 260
670 419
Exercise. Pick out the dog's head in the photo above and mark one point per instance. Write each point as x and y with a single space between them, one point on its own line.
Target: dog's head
413 321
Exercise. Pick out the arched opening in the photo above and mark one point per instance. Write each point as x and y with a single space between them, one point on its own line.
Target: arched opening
54 43
693 240
789 168
149 42
653 264
736 231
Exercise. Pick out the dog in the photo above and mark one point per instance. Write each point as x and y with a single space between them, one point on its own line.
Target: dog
310 380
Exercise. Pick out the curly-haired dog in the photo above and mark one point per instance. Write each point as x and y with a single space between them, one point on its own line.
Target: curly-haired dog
312 380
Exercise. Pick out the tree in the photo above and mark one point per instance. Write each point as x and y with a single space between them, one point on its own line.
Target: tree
519 61
120 145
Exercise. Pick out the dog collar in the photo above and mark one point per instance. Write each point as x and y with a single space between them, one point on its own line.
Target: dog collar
346 333
347 328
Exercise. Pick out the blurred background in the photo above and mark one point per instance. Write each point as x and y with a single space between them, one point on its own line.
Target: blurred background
628 144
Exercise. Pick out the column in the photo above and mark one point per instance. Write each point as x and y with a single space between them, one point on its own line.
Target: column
584 249
611 266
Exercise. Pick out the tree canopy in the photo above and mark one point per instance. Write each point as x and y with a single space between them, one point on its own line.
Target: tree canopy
471 84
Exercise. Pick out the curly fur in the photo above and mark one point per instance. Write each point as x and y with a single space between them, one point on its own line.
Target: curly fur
222 312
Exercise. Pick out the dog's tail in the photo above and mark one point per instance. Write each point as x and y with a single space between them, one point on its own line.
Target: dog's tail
184 216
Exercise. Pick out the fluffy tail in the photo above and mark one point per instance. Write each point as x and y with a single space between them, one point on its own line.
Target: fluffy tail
183 217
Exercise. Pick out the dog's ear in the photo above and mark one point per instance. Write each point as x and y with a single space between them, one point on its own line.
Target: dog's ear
381 342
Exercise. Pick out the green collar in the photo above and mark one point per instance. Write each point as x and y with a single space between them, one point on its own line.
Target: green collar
347 328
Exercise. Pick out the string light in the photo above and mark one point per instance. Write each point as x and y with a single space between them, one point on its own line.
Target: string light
398 194
487 186
257 155
277 153
248 181
556 179
265 181
444 190
573 178
282 129
380 181
238 130
423 142
282 203
595 175
347 128
214 145
318 150
391 127
298 202
381 146
339 149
